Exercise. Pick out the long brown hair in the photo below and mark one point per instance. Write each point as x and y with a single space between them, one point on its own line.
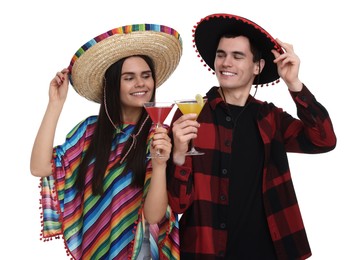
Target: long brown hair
100 145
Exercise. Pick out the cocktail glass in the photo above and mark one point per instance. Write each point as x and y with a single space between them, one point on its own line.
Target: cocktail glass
158 111
188 106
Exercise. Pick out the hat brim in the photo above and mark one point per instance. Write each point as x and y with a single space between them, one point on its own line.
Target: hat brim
209 30
89 64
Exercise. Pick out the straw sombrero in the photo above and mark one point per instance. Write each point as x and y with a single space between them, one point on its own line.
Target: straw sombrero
89 64
208 31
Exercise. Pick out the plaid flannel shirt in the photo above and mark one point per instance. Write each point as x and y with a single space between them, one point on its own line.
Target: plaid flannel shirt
197 189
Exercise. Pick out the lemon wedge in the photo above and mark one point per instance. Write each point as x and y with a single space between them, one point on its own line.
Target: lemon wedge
199 100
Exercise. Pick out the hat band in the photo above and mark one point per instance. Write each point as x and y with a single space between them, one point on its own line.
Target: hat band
123 30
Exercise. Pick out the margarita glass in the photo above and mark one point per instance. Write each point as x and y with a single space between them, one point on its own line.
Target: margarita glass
158 111
188 106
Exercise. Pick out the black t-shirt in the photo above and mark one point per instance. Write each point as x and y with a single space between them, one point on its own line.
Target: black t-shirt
248 233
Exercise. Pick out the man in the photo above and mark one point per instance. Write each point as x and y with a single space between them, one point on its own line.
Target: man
238 200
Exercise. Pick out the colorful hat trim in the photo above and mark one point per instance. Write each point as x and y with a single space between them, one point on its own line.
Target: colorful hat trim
161 43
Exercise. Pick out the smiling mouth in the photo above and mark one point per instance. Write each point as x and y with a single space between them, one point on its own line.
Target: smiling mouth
227 73
141 93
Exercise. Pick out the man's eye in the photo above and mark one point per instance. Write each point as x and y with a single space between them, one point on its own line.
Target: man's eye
220 55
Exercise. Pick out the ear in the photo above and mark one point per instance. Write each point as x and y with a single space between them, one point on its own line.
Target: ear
259 66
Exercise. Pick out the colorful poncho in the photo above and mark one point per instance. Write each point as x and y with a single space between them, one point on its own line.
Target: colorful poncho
109 226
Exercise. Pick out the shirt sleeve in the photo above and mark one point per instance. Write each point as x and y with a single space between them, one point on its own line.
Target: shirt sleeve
313 131
180 186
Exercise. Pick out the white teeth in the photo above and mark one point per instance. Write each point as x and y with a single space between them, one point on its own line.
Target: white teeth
227 73
138 93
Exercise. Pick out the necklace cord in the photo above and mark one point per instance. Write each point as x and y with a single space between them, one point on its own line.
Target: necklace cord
133 136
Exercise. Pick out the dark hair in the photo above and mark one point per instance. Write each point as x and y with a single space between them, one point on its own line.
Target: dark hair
100 145
257 54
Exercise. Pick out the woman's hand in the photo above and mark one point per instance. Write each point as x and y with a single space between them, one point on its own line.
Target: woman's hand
161 142
40 162
58 88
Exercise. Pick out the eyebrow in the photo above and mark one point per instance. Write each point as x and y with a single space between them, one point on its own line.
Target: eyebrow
234 52
133 73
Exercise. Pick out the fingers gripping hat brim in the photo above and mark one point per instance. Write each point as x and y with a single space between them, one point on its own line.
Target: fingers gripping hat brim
208 31
89 64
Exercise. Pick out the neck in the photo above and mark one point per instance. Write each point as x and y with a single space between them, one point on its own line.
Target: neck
233 96
131 115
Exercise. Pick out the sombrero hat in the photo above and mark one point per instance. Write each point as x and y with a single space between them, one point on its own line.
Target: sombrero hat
89 64
208 31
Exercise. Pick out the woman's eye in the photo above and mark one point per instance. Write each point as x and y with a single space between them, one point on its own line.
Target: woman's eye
146 76
128 78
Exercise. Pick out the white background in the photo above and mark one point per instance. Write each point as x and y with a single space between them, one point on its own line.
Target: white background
39 38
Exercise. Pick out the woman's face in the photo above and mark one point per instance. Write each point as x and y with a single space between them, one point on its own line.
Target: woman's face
137 84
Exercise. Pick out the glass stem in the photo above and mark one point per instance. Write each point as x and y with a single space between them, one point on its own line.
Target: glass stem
192 150
158 151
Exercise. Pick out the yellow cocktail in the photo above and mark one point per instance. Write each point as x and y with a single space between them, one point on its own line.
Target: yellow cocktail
192 106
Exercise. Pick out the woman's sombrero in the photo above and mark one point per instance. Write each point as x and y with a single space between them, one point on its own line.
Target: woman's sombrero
89 64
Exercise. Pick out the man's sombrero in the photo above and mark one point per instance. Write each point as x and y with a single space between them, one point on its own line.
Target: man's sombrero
208 31
89 64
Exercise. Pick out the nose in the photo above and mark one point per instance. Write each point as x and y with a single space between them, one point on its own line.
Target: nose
226 62
140 82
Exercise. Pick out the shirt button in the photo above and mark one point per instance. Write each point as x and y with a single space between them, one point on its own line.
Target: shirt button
183 172
222 197
304 98
222 225
224 171
228 119
227 143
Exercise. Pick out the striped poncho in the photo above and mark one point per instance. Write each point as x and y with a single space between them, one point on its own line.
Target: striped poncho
109 226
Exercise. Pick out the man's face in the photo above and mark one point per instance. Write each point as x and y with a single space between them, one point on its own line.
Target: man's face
234 66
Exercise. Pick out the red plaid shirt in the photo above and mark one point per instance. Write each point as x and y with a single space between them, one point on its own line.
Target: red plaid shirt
196 189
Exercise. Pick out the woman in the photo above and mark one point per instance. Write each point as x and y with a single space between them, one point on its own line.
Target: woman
97 190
